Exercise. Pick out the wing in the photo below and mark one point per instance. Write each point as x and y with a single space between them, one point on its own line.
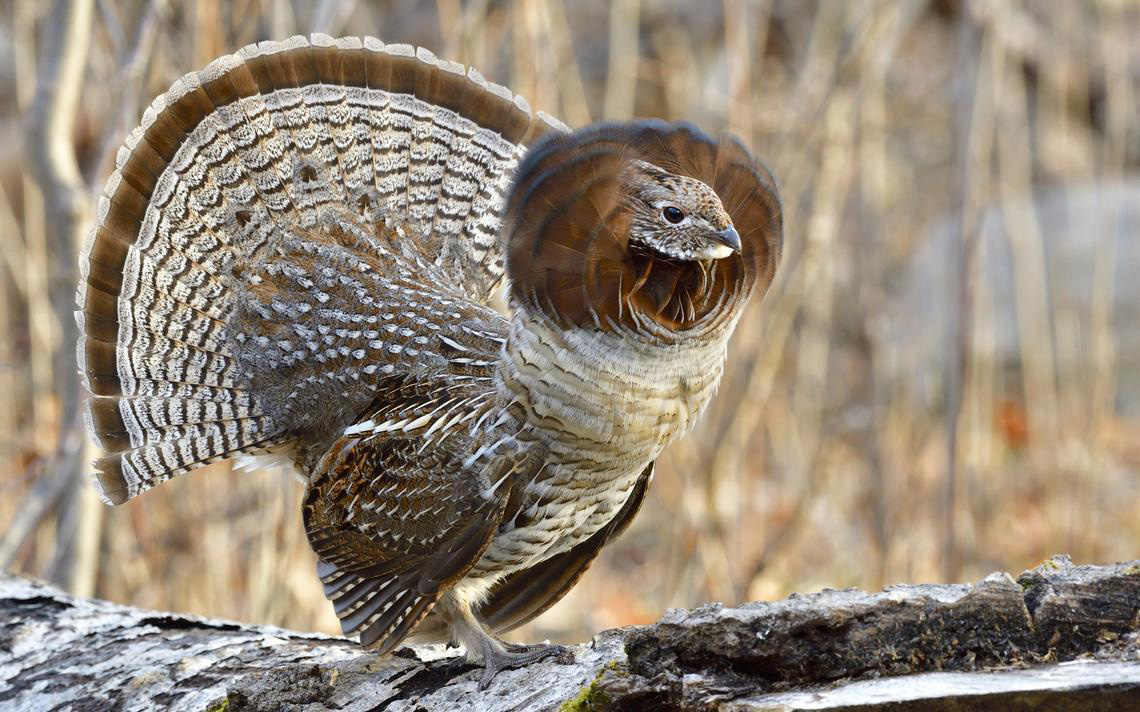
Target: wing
395 515
526 594
330 324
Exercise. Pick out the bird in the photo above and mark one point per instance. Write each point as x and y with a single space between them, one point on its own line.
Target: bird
471 329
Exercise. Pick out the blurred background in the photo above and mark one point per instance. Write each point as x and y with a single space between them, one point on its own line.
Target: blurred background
944 380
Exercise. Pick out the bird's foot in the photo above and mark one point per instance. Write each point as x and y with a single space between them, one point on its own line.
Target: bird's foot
528 647
515 656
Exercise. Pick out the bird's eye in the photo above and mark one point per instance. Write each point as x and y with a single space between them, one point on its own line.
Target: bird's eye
673 214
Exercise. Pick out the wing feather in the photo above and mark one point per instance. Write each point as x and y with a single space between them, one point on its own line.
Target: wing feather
394 525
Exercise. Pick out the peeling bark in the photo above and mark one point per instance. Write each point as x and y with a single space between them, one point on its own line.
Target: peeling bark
1058 636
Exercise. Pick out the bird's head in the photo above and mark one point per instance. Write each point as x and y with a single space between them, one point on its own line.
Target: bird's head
677 216
643 226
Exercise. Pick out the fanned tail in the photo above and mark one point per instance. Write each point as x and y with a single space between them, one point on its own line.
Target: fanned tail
258 146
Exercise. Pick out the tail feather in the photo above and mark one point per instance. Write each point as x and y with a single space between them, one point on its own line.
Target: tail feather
135 436
101 359
121 476
126 423
238 158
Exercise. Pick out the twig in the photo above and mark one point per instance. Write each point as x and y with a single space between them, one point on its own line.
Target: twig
51 154
621 80
51 481
132 66
968 121
330 15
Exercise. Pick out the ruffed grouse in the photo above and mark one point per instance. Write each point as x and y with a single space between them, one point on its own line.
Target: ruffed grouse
297 253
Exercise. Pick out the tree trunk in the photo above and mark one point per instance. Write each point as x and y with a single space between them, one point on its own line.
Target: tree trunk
1058 637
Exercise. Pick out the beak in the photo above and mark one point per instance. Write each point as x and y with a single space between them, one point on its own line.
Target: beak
730 237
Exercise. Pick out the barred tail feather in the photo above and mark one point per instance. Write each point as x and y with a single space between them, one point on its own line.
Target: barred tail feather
230 161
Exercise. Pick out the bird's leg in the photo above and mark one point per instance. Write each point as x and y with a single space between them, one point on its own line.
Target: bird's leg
482 647
497 657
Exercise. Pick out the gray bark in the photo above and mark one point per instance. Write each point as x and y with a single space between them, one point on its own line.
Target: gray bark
1057 637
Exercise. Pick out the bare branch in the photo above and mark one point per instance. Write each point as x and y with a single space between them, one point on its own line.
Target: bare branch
51 154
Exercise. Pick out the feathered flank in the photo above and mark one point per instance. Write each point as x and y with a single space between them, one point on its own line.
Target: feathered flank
572 248
527 594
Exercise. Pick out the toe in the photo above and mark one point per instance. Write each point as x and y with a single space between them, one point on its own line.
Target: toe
496 661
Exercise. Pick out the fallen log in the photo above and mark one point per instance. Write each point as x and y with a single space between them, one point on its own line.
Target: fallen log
1057 637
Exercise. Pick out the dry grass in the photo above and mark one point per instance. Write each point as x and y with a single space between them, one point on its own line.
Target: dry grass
861 437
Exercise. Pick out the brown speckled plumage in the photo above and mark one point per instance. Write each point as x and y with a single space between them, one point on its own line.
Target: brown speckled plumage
297 253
